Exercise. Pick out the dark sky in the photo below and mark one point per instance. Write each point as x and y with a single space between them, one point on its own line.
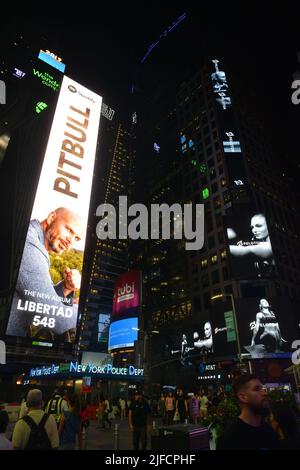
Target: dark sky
102 44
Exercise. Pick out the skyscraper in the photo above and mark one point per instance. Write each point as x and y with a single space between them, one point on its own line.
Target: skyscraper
110 258
218 153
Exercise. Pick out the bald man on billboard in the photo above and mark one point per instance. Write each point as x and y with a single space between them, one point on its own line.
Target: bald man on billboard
37 301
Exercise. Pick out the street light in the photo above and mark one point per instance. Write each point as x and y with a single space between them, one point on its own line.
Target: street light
219 296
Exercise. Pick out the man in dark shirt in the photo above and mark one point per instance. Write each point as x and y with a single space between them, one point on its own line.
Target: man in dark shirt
139 420
250 431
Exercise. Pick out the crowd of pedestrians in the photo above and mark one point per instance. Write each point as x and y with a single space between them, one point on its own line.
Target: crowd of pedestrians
62 422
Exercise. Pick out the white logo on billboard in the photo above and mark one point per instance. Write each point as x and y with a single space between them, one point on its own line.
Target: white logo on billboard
125 293
18 73
72 88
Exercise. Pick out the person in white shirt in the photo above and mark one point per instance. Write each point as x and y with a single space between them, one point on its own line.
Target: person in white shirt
22 430
123 407
5 444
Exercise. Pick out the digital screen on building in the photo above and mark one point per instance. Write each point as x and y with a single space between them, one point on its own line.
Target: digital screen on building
228 127
220 87
45 301
230 145
103 327
123 333
191 344
52 59
249 244
266 326
127 294
95 358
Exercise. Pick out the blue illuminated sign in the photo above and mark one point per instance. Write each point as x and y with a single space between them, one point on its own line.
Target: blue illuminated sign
123 333
76 368
50 59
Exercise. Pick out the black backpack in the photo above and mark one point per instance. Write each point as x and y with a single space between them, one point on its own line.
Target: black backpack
38 438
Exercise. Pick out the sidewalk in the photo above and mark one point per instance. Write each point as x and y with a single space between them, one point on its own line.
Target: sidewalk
99 439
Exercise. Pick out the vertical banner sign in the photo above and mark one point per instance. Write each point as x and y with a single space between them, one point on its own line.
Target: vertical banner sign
45 302
230 327
127 294
228 127
224 333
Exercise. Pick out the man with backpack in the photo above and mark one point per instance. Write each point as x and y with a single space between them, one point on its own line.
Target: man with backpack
57 405
37 430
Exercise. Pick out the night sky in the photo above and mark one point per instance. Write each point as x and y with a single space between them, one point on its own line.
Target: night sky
102 45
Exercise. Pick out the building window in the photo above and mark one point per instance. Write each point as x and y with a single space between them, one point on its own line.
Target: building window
215 277
220 238
204 263
206 129
209 151
211 242
228 289
206 300
205 193
197 303
214 259
205 280
209 222
202 168
225 273
210 163
212 173
214 187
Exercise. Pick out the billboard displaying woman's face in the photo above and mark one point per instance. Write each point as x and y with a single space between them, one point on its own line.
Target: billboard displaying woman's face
249 245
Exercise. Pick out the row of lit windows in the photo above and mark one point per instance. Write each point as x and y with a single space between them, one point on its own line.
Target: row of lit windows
213 259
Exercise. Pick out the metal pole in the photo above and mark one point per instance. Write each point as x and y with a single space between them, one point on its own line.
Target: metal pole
236 327
116 437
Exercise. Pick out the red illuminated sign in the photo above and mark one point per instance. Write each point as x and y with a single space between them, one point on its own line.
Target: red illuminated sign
127 293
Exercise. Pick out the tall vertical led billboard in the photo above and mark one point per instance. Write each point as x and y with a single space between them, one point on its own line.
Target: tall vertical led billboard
127 295
45 301
228 128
